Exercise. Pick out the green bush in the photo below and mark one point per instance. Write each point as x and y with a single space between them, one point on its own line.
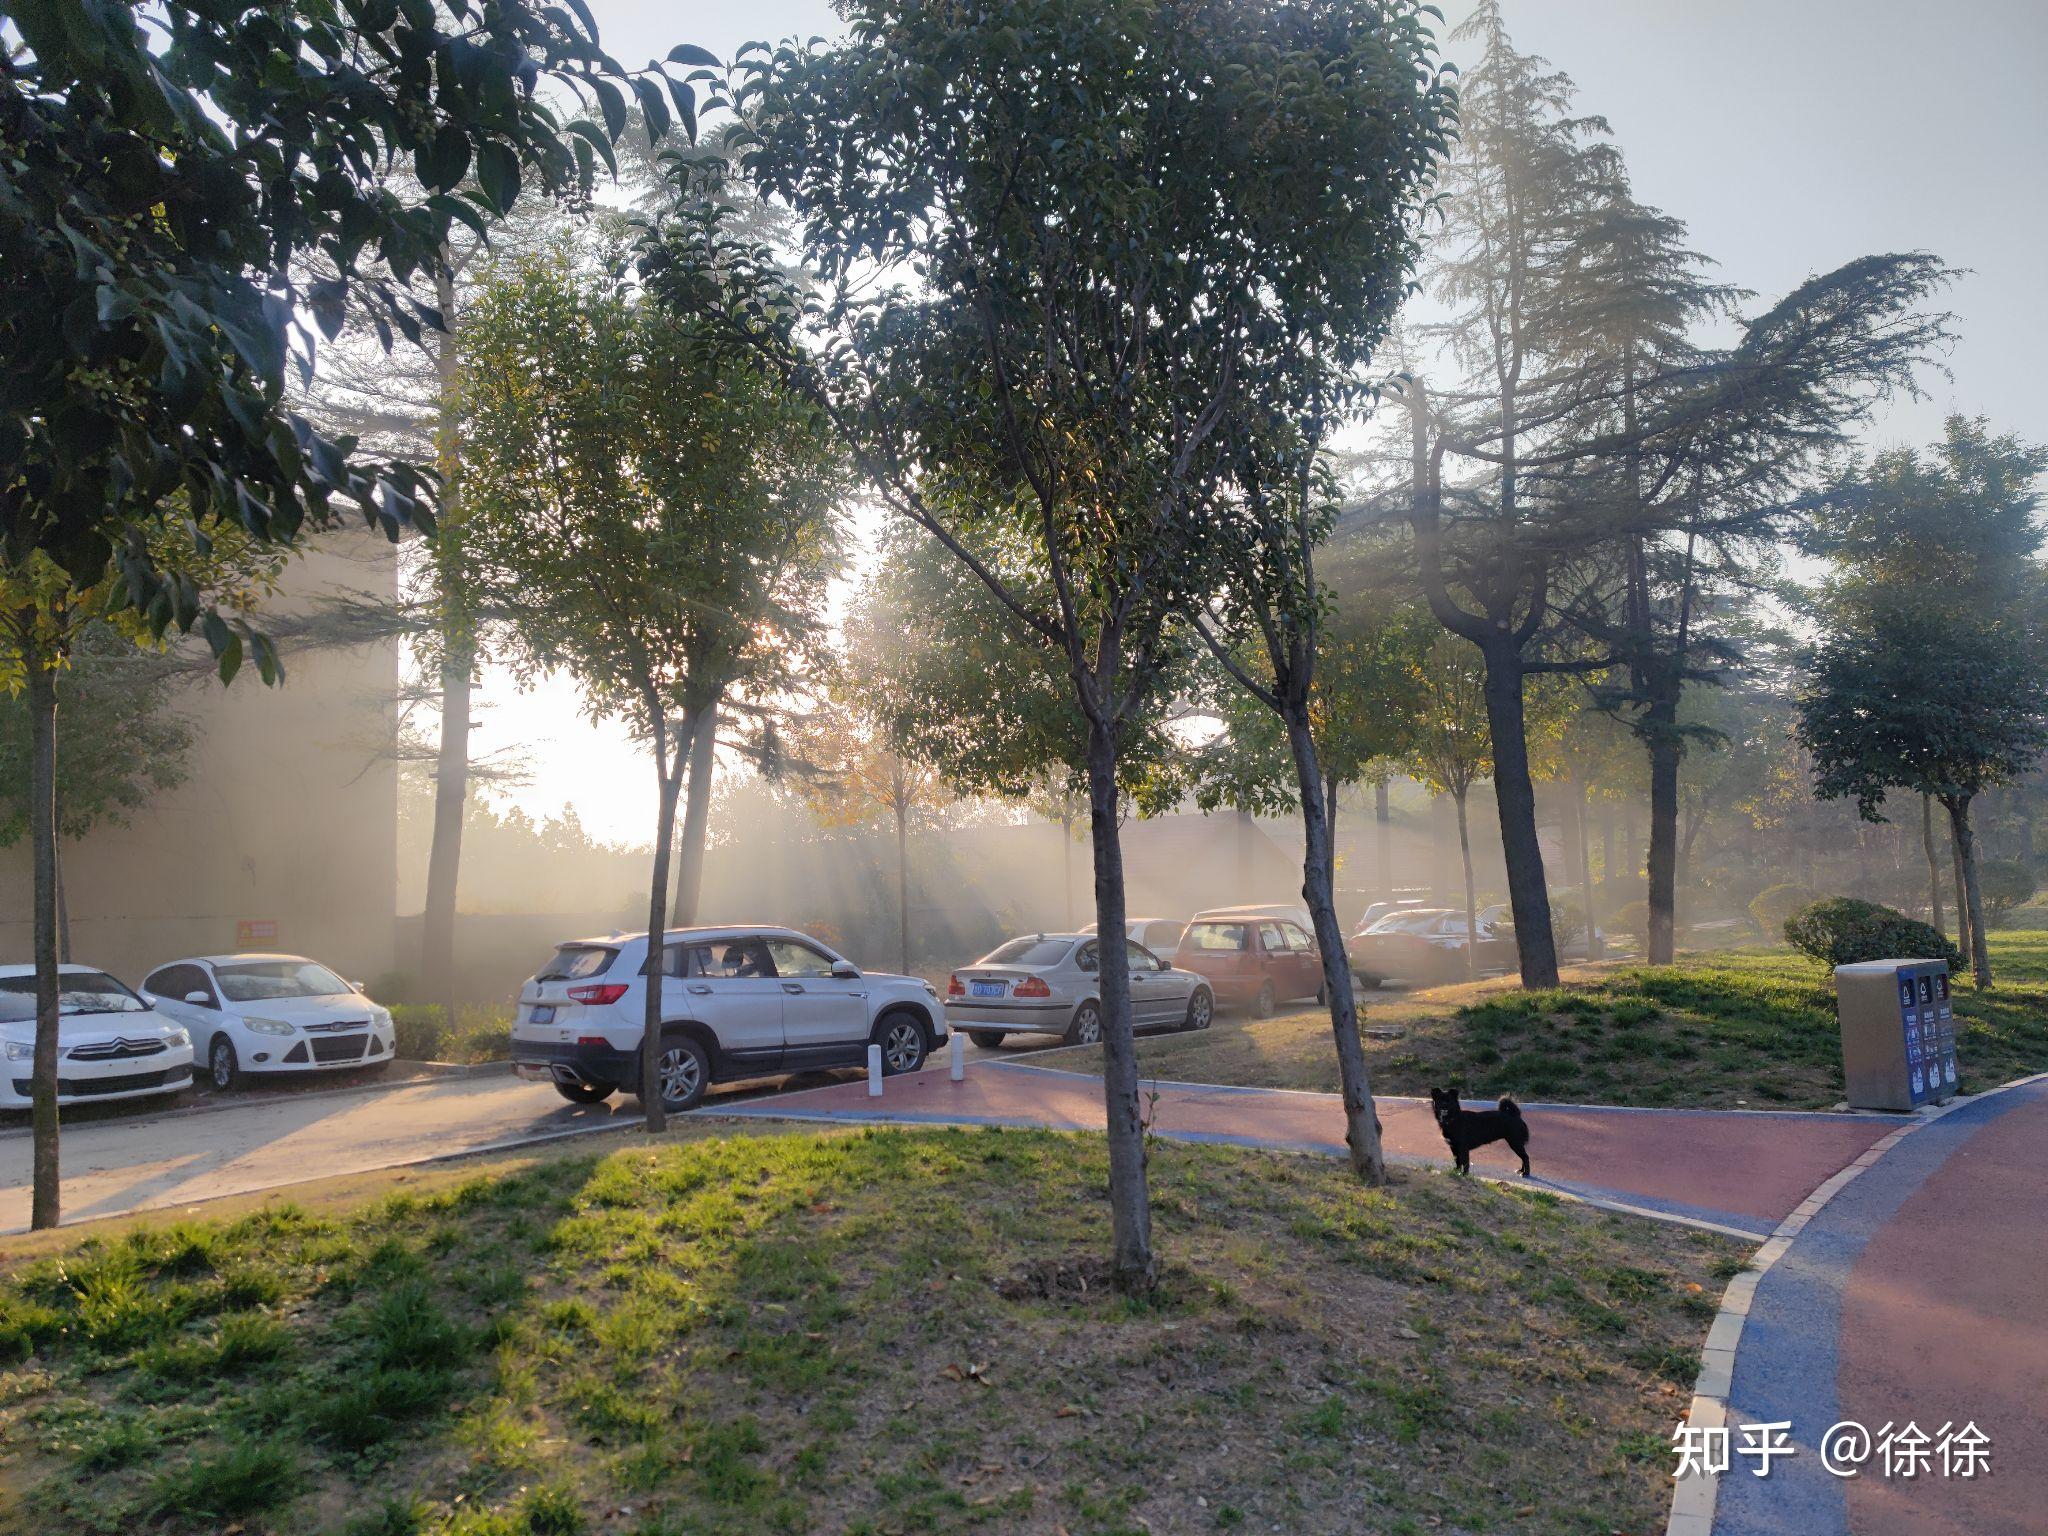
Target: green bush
1842 931
1631 918
1776 905
420 1032
2003 884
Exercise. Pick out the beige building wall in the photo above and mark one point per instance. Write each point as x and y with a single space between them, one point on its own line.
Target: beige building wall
286 821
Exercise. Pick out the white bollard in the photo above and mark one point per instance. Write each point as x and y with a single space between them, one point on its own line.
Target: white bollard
874 1071
956 1057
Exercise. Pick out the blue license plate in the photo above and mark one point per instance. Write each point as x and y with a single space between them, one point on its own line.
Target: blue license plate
542 1016
986 989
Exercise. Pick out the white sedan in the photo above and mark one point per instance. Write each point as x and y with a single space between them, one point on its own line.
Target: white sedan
110 1043
270 1013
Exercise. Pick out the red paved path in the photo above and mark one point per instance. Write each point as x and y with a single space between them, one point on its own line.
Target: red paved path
1743 1170
1945 1318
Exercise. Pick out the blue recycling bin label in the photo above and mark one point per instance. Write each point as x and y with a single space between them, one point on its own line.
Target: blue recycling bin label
1927 1017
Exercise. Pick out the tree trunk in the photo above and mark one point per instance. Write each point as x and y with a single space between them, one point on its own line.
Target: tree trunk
444 851
1471 899
1665 752
63 899
668 771
1973 898
1515 794
1383 829
1130 1202
1593 946
903 888
1933 864
1067 866
1318 890
42 698
1955 849
689 887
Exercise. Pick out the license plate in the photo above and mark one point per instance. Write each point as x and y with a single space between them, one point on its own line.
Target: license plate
986 989
542 1016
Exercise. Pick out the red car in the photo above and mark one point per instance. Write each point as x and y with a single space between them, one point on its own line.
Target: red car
1251 958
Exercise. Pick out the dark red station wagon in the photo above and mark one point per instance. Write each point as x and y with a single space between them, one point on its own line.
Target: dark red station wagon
1253 959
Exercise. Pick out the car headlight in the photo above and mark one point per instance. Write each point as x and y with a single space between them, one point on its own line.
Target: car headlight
20 1050
176 1038
380 1018
930 989
267 1026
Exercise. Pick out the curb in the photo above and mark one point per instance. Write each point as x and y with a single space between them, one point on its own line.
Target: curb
1693 1497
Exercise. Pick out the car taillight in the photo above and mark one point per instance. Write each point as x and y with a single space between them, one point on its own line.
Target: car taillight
1031 986
954 987
600 993
596 1040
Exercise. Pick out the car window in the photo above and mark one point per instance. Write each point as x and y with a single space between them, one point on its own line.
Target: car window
576 962
1217 937
1298 941
77 992
732 958
261 981
1087 958
1029 952
675 961
175 981
1271 939
798 960
1142 959
1159 937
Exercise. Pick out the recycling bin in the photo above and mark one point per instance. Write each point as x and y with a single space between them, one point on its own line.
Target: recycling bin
1898 1033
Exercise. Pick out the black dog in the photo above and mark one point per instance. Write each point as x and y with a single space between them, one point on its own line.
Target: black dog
1465 1128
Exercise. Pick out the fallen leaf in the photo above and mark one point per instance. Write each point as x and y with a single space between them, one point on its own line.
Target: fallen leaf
1067 1411
1405 1332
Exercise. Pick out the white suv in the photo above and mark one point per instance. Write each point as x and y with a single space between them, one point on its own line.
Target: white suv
735 1003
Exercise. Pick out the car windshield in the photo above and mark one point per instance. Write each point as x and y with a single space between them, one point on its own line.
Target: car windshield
1215 936
574 962
262 981
1028 952
77 992
1404 922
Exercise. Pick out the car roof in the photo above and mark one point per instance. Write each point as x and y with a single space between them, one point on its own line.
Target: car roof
1247 915
67 969
235 959
702 931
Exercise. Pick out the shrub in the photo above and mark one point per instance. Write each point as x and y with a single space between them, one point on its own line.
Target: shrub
1842 931
1776 905
2004 884
420 1032
1631 918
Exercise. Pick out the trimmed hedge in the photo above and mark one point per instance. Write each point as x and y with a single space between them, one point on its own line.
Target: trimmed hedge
1841 930
1776 905
420 1032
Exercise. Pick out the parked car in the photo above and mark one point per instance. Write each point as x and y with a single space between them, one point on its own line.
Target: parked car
1251 958
254 1015
110 1043
1050 984
1291 911
1161 935
1380 909
735 1003
1427 944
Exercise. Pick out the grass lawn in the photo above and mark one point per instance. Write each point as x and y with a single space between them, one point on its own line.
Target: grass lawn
878 1332
1752 1028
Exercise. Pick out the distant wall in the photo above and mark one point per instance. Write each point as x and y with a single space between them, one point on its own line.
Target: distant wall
287 816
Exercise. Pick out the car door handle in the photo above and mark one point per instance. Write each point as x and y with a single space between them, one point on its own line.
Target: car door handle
702 991
791 986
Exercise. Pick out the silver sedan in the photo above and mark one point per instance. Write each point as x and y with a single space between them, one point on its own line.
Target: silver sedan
1050 984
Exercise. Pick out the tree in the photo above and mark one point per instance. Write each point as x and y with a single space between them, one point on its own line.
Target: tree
162 183
658 580
1452 751
1098 204
1930 676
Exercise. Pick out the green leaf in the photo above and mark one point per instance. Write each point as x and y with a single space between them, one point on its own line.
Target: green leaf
690 53
497 172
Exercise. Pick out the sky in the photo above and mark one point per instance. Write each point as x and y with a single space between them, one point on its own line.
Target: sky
1791 135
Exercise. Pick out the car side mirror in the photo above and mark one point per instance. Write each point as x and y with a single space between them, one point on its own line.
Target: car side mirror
1164 965
845 970
200 998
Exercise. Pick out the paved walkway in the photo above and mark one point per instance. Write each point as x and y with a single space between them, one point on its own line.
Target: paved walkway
1919 1294
1738 1171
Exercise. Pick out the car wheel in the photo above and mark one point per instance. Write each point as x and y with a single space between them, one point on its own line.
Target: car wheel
585 1093
1364 982
1201 1010
683 1073
1086 1029
221 1064
902 1041
987 1039
1264 1004
1323 995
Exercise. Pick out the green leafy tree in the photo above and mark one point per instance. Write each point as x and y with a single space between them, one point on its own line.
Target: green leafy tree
170 172
1930 676
662 581
1452 747
1050 236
